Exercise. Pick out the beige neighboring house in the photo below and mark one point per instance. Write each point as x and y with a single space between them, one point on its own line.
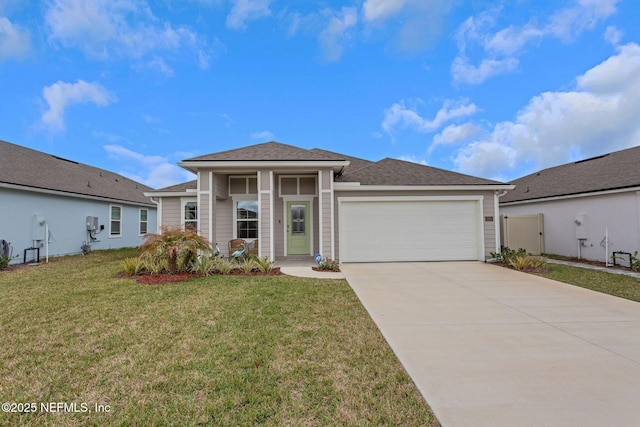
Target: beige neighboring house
581 203
292 203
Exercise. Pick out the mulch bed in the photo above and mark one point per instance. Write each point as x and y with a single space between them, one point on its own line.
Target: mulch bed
324 271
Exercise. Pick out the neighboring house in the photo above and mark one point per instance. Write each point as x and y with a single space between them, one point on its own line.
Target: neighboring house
580 201
289 202
65 207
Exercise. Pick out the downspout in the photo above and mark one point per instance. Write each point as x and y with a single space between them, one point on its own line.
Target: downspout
158 212
496 208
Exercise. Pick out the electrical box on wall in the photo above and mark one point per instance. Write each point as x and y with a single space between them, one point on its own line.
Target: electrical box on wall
581 226
92 223
37 227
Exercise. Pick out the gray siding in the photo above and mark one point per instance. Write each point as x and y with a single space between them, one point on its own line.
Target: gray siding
171 215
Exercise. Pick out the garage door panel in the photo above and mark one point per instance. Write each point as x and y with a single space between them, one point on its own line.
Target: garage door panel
409 231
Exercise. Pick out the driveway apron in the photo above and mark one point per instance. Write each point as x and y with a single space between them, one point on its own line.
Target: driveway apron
488 346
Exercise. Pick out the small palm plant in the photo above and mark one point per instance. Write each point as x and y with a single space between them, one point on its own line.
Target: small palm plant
175 244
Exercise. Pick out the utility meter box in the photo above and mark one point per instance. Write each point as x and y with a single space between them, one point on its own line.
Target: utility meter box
581 227
37 227
92 223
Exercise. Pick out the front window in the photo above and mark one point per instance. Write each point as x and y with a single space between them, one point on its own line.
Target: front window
144 221
247 219
191 216
115 221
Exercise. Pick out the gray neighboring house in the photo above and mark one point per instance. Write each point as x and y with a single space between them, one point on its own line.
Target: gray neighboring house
288 202
580 201
61 206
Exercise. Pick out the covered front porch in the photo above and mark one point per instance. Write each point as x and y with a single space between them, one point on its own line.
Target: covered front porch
282 214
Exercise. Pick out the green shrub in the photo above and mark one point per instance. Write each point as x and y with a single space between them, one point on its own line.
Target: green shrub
133 266
527 262
248 265
4 261
204 265
223 266
507 255
264 264
327 264
177 246
154 265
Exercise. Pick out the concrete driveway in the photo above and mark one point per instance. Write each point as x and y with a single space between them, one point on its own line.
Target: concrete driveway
488 346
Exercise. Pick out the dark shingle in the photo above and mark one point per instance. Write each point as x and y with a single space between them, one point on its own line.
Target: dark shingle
30 168
355 163
620 169
398 172
268 151
189 185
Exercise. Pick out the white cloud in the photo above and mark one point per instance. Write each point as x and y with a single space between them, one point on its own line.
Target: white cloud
613 35
265 135
382 9
499 49
15 42
464 72
247 10
60 95
154 171
337 32
399 115
105 29
598 116
454 134
416 24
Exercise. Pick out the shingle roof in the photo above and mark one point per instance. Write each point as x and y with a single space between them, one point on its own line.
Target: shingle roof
30 168
398 172
617 170
268 151
385 172
354 162
180 188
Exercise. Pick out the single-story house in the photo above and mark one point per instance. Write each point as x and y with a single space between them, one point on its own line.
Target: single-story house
61 207
581 203
288 202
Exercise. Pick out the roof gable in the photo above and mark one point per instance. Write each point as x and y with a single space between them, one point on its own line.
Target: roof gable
30 168
268 151
399 172
617 170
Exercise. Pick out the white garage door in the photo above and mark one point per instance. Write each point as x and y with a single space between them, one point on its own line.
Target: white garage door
410 230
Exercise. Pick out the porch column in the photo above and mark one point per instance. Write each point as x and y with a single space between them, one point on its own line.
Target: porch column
325 209
265 221
204 198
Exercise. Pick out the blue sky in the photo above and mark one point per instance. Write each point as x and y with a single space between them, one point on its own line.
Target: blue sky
483 87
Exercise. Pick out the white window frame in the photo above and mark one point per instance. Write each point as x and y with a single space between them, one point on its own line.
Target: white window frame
140 222
183 205
111 221
244 198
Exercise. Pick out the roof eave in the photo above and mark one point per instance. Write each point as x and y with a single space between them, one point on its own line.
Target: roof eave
189 193
571 196
77 195
240 165
356 186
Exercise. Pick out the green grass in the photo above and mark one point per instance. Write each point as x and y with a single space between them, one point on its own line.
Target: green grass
609 283
221 350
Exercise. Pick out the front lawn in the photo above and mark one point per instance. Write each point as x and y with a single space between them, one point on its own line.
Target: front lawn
609 283
220 350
